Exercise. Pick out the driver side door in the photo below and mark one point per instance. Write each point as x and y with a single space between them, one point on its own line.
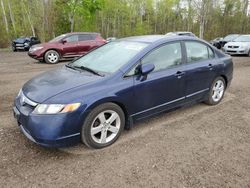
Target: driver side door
164 87
70 46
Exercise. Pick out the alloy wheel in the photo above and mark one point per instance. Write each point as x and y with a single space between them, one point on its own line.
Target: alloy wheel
218 90
105 126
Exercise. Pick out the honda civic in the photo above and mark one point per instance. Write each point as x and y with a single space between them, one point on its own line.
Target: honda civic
94 98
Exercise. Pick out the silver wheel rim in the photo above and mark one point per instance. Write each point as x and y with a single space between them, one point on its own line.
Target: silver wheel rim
105 126
52 57
218 90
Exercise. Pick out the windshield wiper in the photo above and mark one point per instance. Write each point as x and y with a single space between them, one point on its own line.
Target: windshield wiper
89 70
70 66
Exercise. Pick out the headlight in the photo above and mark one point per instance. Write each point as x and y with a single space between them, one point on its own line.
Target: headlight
242 46
32 49
55 108
26 44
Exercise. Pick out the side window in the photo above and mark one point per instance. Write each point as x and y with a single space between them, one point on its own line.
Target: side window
72 38
132 71
164 57
210 53
85 37
197 52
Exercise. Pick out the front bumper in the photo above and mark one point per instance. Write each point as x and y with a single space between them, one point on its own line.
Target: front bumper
238 51
20 47
36 56
59 130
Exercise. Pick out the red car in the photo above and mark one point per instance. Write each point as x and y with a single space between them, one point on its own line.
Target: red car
65 46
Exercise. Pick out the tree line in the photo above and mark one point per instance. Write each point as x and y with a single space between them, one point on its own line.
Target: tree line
119 18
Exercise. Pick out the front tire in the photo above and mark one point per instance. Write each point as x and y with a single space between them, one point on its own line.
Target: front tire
216 91
51 57
103 126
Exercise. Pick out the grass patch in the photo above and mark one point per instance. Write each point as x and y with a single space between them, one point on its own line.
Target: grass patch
5 49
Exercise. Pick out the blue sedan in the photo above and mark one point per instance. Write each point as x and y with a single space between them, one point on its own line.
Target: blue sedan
96 97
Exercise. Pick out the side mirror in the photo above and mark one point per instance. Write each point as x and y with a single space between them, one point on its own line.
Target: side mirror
64 41
146 69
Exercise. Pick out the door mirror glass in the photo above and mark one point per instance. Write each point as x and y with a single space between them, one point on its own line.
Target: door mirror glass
146 69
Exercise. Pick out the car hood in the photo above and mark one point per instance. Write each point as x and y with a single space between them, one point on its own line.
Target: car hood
238 44
46 44
20 40
51 83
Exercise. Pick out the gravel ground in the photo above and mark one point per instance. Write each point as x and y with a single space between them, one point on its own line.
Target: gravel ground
195 146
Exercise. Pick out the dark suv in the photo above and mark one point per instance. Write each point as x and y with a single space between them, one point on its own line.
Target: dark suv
24 43
66 46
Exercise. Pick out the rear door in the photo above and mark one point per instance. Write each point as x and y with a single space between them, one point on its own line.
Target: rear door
86 42
200 68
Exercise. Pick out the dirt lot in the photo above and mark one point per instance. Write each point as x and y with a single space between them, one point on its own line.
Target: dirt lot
197 146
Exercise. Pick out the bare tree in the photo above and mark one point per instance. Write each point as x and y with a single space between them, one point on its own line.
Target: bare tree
27 12
202 7
5 18
73 6
12 17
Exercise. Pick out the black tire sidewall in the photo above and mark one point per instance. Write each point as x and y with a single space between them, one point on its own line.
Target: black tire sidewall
86 127
46 56
210 100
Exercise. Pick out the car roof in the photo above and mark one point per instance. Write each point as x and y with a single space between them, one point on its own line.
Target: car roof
73 33
180 32
154 38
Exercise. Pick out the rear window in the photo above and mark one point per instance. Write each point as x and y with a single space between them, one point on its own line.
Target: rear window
85 37
197 52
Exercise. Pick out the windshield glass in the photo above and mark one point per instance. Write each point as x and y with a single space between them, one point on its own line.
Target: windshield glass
230 37
243 38
110 57
57 39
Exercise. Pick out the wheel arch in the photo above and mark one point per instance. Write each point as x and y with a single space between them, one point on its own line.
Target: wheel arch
55 49
114 100
225 79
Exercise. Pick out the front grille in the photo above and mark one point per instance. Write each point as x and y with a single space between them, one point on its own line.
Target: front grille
233 46
21 45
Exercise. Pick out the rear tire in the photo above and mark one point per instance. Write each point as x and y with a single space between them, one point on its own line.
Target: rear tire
51 57
103 126
216 91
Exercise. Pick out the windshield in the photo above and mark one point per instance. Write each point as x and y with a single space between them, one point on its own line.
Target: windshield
243 38
110 57
230 37
57 39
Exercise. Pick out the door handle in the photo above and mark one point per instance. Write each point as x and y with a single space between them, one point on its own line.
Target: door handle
179 74
210 66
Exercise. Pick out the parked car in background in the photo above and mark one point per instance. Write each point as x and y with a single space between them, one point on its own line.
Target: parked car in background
66 46
110 39
221 43
24 43
181 33
216 42
94 97
239 46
